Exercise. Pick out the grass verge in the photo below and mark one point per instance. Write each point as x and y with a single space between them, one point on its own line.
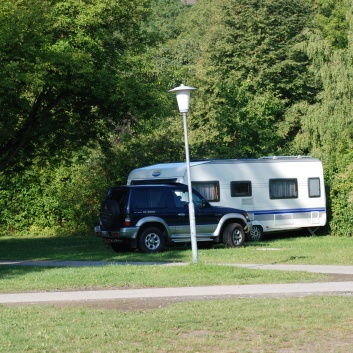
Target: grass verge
280 249
24 279
288 250
306 325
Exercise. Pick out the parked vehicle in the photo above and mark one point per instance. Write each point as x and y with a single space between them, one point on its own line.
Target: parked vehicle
148 217
279 193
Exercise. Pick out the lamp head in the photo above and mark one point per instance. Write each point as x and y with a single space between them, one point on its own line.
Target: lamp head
183 97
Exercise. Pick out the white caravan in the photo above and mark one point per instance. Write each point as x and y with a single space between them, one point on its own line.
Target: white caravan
279 193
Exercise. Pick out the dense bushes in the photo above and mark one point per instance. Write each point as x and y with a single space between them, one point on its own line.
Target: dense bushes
341 198
50 199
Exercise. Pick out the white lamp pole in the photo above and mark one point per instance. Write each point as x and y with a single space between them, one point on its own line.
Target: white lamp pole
183 98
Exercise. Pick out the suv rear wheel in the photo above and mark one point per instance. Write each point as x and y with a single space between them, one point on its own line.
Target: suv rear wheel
234 235
151 240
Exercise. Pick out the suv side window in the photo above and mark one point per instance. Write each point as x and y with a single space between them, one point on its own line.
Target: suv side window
149 198
181 198
157 198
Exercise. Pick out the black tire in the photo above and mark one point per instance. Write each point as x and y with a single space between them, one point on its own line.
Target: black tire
234 235
151 240
109 214
256 234
121 247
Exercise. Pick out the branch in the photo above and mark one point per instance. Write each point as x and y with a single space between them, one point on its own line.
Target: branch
13 147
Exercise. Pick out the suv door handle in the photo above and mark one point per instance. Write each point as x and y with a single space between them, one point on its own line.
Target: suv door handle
181 214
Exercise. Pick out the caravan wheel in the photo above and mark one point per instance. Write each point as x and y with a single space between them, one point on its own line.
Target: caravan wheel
256 234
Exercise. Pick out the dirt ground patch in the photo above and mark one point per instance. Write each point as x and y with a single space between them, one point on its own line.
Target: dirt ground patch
339 277
156 303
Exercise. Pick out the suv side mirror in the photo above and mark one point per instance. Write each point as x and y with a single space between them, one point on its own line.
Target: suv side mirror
201 204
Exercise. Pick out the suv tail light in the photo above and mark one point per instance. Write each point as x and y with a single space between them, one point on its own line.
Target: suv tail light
127 222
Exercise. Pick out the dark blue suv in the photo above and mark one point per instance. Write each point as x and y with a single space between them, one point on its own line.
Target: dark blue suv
148 217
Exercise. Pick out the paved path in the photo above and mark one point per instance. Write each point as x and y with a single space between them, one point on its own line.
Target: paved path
348 270
292 289
328 269
58 263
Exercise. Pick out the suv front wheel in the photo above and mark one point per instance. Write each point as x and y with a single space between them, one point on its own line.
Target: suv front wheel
151 240
234 235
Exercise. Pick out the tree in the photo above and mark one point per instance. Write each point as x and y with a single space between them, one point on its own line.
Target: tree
331 17
67 77
326 125
244 57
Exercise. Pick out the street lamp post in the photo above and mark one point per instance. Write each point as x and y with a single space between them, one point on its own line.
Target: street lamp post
183 98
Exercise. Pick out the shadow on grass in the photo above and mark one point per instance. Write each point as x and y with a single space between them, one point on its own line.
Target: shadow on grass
91 248
75 248
14 272
268 238
65 248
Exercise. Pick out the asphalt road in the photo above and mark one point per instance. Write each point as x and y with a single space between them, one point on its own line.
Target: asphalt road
292 289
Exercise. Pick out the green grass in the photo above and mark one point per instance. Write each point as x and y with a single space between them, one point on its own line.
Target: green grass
317 250
17 279
307 325
285 250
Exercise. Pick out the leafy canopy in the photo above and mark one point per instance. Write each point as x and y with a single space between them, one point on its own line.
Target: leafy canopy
66 72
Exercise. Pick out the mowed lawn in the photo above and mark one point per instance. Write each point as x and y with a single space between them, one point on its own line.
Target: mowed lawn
306 324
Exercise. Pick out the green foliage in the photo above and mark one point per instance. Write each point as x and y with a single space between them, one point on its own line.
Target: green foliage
332 20
326 125
243 56
341 197
67 75
162 23
70 80
83 96
54 198
148 143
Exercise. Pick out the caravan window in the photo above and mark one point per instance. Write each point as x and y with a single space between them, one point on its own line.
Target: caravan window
208 189
314 187
283 188
240 188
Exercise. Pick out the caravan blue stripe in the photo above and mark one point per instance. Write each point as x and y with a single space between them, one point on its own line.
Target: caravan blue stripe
289 210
